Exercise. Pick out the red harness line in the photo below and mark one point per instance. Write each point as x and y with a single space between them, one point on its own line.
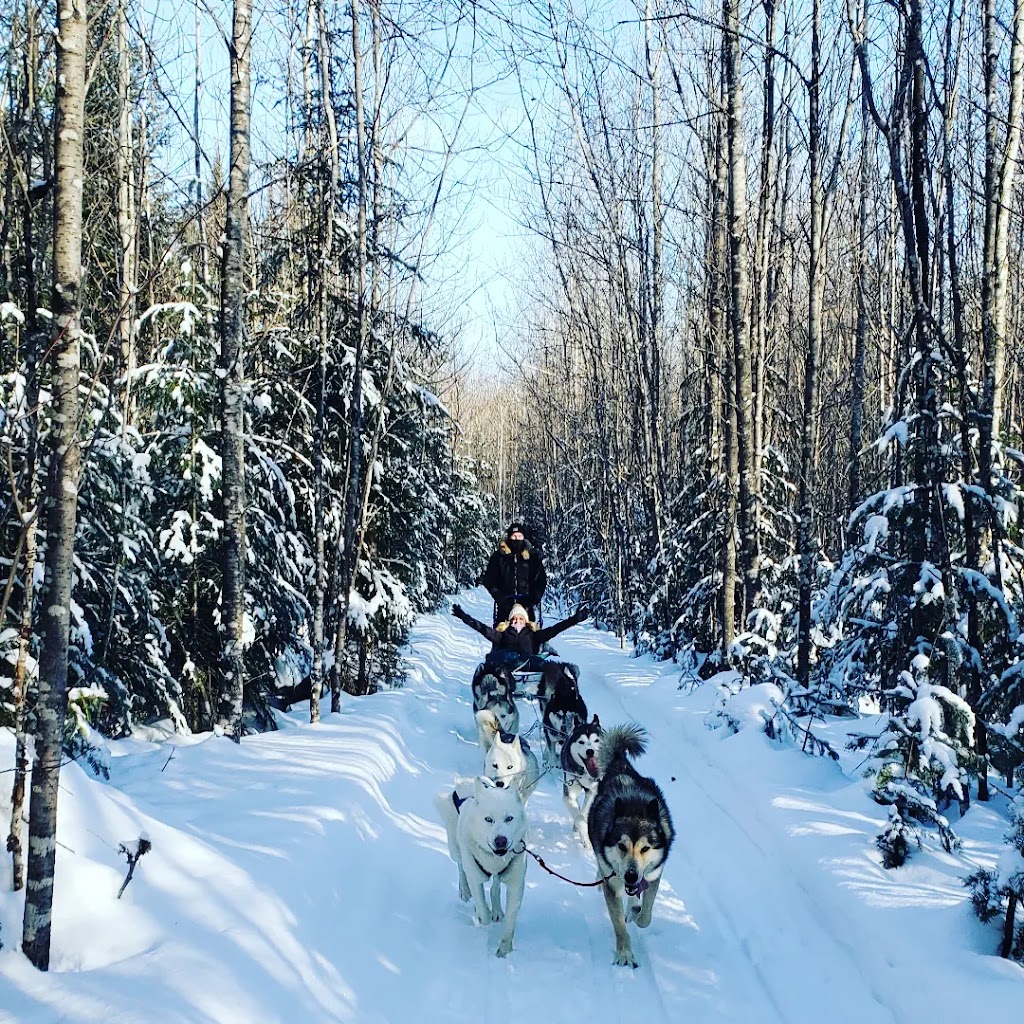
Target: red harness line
550 871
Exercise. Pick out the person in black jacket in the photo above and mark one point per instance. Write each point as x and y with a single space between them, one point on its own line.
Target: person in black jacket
515 575
516 642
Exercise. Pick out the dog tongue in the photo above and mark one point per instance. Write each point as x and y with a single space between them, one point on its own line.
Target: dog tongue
591 764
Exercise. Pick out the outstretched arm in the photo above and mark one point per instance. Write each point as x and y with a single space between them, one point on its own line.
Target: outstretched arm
545 634
460 613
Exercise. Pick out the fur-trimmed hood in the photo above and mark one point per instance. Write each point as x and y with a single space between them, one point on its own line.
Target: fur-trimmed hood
506 550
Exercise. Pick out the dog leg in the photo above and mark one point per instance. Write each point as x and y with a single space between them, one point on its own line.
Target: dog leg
464 894
642 913
496 912
623 949
515 882
571 794
477 880
482 912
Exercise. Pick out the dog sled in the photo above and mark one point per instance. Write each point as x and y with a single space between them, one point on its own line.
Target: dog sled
527 678
526 683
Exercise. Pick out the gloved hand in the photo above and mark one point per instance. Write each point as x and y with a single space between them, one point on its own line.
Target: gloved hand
458 612
583 612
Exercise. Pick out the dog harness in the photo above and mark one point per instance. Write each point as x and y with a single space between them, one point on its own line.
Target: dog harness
494 874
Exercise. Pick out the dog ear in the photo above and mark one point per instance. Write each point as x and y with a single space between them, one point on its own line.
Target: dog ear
618 808
480 783
596 721
653 810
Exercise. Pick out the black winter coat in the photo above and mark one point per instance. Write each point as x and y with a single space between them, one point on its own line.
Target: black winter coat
512 577
527 641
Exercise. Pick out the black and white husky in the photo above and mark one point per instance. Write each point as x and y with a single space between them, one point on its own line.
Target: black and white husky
492 691
631 834
563 709
580 772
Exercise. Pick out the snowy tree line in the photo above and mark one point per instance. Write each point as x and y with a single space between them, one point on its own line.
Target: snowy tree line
222 422
774 364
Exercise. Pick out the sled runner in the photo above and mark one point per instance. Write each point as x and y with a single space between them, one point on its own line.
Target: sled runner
527 680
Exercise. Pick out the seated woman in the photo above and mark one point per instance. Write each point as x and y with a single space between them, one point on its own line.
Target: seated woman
517 642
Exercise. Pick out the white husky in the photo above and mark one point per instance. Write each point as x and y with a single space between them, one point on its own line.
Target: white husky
508 759
487 839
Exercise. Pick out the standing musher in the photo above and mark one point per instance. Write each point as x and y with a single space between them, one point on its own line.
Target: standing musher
515 575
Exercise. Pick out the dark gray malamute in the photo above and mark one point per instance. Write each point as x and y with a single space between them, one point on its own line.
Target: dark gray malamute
564 708
492 691
631 833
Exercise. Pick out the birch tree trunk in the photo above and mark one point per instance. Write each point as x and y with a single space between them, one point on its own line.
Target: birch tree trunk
739 308
62 507
29 515
861 329
718 318
808 436
1000 170
125 208
762 237
350 534
14 843
323 329
232 336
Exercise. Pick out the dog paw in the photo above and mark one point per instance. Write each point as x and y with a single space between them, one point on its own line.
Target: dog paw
504 948
624 958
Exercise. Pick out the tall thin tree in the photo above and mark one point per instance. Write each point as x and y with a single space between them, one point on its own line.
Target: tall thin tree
232 384
62 498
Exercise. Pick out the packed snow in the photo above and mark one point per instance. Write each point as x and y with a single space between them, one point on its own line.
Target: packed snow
303 876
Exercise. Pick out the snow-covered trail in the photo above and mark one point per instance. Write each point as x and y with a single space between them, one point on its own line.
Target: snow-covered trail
302 877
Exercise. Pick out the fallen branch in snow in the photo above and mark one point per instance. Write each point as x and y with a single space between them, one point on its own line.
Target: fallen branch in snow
133 850
818 746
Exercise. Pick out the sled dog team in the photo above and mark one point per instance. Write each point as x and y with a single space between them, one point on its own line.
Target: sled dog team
616 812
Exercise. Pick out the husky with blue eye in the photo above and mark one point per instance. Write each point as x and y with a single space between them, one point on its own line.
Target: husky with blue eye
631 833
508 759
486 831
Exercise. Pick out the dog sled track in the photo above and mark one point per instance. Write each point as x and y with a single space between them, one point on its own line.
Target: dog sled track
622 993
755 926
779 927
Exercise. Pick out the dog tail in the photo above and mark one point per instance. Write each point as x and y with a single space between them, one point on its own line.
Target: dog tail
618 741
488 721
